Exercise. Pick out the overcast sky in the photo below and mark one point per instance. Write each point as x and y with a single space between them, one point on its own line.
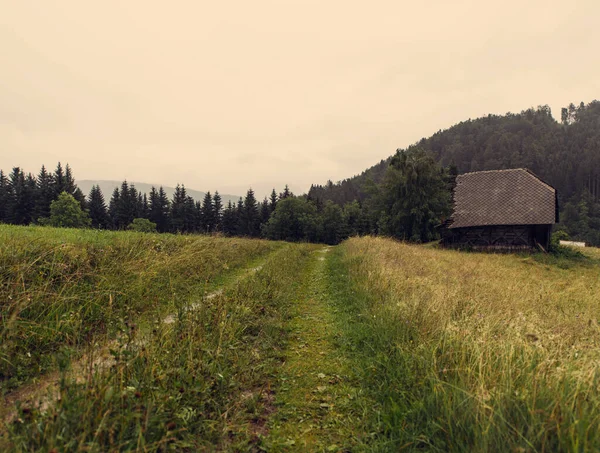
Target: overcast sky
231 94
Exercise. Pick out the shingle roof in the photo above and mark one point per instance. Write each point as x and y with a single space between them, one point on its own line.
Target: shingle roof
503 197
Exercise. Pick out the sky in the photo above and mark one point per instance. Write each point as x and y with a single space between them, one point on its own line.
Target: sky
236 94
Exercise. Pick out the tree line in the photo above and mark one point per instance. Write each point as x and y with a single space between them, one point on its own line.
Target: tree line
565 154
410 203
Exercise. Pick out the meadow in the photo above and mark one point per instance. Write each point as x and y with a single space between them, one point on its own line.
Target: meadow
121 341
473 351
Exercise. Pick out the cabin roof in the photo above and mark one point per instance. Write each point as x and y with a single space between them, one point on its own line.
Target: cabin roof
503 197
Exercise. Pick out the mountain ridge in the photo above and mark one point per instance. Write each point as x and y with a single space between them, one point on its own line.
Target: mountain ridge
107 186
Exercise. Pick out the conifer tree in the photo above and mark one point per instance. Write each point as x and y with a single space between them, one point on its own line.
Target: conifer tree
229 220
158 209
70 185
240 229
190 215
59 181
97 208
217 211
20 197
3 196
80 197
199 221
273 201
250 216
113 207
265 211
182 211
286 193
125 208
44 194
208 217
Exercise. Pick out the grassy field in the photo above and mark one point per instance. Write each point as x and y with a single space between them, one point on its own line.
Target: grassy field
471 351
134 342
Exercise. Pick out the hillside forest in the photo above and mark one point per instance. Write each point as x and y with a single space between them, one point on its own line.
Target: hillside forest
565 154
406 196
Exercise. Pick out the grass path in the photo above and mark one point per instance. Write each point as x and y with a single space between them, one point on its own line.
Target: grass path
319 404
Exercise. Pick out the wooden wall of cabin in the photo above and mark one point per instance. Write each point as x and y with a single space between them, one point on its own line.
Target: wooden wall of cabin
511 237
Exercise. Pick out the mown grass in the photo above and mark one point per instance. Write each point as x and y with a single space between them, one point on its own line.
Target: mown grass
470 351
198 384
61 289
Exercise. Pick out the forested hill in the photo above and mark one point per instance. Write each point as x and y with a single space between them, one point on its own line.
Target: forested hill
564 153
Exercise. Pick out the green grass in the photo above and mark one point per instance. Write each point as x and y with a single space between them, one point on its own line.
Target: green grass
472 352
64 289
319 405
200 383
373 345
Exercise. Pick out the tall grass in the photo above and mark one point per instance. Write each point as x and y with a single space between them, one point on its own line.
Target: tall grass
60 289
198 384
474 352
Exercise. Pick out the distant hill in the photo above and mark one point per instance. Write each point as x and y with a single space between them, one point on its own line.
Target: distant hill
565 154
108 187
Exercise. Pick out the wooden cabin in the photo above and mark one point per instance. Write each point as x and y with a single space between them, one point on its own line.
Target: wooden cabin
502 210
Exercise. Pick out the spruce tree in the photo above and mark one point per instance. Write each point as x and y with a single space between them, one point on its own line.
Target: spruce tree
113 207
198 219
165 206
240 229
265 211
273 200
59 181
208 217
190 215
229 220
158 209
250 215
70 185
44 194
97 208
80 197
18 208
180 210
3 196
217 211
286 193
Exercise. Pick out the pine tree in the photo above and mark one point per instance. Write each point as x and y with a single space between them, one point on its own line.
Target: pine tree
58 181
217 211
265 211
158 209
125 207
44 194
286 193
4 194
182 211
190 215
165 206
273 200
229 220
97 208
113 207
240 229
198 219
80 197
208 216
20 201
250 216
70 185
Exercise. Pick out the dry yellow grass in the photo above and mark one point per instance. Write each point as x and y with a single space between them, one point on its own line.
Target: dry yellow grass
516 335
